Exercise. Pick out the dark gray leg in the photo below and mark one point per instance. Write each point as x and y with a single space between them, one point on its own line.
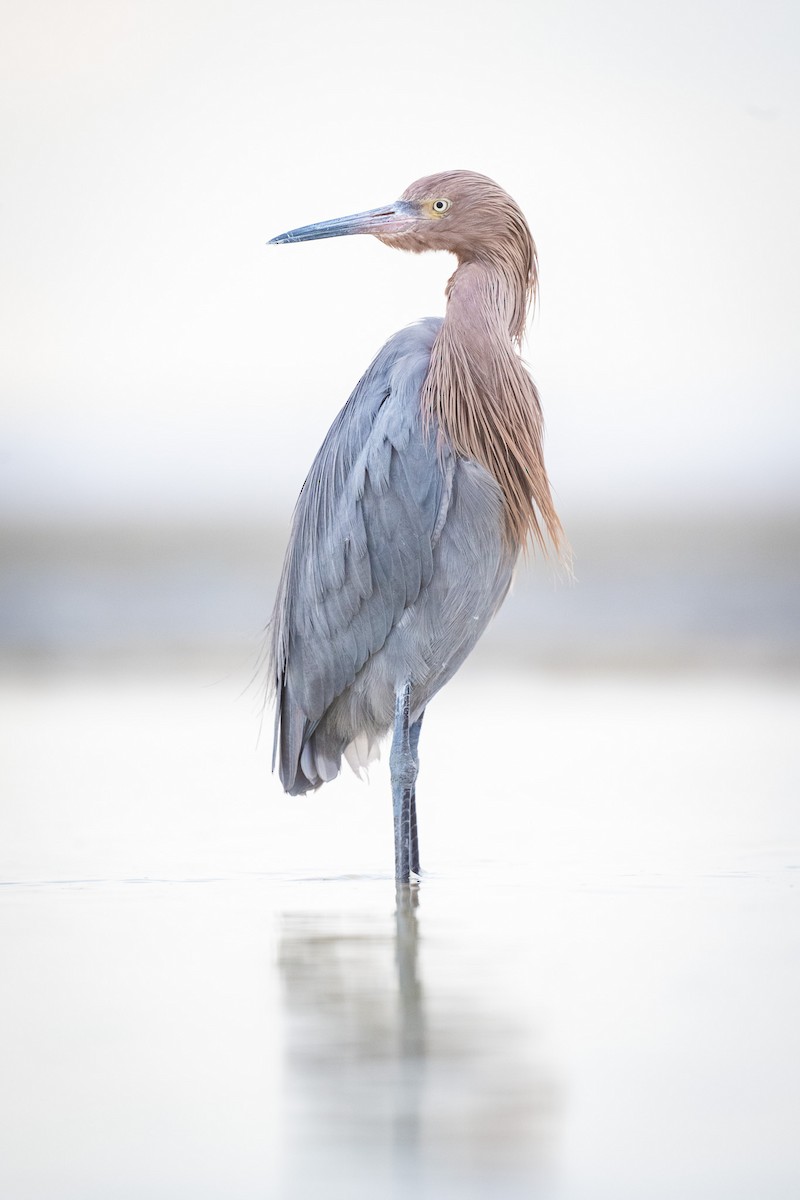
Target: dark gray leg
403 766
413 737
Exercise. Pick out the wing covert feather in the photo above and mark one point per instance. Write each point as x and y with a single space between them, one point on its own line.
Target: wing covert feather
361 546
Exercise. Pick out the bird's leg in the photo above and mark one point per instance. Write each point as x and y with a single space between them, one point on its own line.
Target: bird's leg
413 737
402 763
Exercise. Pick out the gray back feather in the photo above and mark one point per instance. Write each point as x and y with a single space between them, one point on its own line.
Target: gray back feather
362 541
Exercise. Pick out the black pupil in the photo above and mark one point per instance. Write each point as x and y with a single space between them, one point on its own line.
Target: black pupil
439 205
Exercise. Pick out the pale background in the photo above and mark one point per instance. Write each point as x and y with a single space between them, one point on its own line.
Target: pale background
210 990
158 358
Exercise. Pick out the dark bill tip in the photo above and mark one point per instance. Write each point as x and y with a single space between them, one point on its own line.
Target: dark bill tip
392 218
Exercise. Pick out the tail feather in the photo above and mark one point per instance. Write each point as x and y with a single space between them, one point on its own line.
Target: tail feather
307 755
360 753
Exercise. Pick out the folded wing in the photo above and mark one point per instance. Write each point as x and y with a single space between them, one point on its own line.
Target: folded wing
361 547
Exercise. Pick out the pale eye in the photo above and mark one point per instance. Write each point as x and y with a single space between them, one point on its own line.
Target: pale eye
440 206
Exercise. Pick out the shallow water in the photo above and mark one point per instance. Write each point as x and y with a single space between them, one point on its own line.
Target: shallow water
211 990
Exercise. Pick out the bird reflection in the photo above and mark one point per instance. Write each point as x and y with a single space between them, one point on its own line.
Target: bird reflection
391 1084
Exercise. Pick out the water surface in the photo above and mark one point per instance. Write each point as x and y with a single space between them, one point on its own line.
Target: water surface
211 990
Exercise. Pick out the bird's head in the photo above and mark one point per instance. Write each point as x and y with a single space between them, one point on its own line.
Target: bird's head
462 212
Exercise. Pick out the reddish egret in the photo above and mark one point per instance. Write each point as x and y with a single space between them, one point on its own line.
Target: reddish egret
424 492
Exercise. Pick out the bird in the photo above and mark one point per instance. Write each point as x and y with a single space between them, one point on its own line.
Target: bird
429 485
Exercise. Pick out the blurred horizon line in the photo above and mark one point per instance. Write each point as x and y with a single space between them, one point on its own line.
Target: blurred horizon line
666 594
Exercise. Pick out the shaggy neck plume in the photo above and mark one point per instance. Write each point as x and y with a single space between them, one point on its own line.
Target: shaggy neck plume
482 398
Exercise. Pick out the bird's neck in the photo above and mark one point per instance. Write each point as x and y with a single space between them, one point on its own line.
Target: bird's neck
484 300
482 400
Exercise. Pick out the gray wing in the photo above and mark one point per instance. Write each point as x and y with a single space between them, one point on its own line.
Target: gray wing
361 546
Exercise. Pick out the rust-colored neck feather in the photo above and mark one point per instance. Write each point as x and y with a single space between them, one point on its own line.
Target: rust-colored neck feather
479 392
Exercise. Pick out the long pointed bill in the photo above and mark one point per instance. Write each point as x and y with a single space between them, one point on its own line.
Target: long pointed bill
393 218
